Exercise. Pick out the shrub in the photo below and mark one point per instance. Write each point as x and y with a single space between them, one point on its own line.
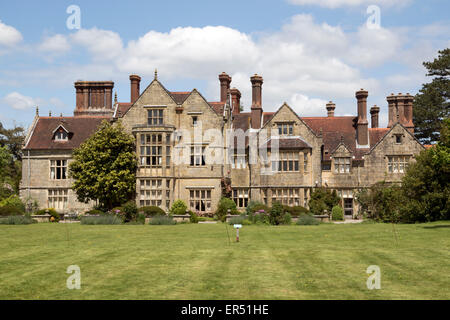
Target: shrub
295 211
240 220
259 217
193 217
130 210
151 211
203 219
276 213
13 201
307 220
102 220
51 212
226 204
95 212
162 220
287 218
178 208
337 213
323 199
255 206
10 211
140 219
16 220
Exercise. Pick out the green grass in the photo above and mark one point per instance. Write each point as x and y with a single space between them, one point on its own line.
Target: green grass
196 261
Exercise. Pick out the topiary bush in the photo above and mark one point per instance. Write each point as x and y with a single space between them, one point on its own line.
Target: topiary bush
226 204
307 220
162 220
337 213
151 211
178 208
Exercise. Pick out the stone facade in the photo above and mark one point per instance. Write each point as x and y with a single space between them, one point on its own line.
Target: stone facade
186 148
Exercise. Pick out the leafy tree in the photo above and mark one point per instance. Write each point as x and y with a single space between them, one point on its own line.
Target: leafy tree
426 184
13 139
432 103
222 208
104 167
178 208
276 214
323 199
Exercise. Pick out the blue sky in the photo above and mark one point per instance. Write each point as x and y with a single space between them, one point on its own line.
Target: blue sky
308 51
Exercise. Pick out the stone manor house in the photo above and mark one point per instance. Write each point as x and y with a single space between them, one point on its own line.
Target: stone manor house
337 152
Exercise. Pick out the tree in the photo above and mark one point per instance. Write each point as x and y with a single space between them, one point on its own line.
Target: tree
323 199
432 103
104 167
426 182
13 139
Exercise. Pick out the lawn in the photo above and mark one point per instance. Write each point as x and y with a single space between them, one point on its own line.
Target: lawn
196 261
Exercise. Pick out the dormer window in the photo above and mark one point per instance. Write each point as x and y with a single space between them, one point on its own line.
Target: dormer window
61 136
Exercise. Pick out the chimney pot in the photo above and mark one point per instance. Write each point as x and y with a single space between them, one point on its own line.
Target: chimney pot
225 81
135 82
235 100
374 112
330 108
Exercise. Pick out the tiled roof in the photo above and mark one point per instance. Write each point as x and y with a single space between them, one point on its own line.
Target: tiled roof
289 143
267 116
122 108
218 107
80 128
342 129
179 97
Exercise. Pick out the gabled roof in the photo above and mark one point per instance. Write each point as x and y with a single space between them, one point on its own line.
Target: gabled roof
121 109
218 107
179 97
288 143
80 128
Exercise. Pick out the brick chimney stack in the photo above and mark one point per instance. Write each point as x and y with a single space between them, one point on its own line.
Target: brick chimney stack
256 109
362 132
409 124
236 100
374 112
93 98
330 109
392 105
225 81
400 108
135 87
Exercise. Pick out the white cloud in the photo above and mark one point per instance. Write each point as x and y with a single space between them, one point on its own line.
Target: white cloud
9 36
102 44
347 3
19 101
55 44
